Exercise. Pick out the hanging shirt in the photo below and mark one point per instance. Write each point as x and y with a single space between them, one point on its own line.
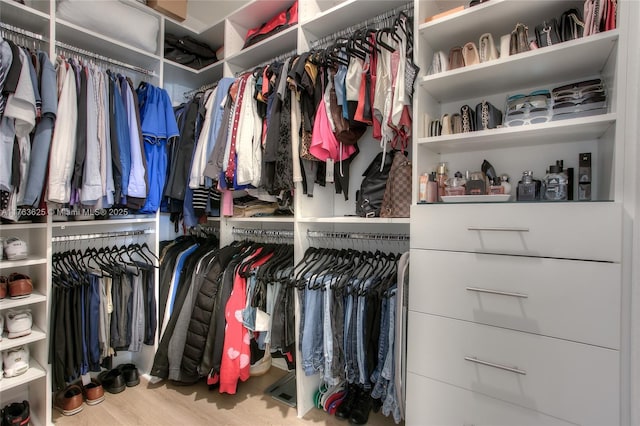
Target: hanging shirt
63 147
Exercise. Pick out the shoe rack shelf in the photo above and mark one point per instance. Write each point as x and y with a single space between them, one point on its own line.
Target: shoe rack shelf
32 299
575 59
574 129
35 372
29 261
35 335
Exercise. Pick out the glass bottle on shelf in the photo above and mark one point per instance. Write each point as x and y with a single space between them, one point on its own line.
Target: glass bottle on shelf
442 175
528 187
556 183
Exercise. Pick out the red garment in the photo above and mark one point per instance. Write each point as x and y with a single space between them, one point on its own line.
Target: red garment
236 356
324 144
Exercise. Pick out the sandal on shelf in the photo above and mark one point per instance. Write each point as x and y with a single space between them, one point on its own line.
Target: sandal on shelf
20 285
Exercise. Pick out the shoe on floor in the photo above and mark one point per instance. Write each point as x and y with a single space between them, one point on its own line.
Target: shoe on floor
69 401
361 408
93 392
347 405
112 380
19 323
16 361
130 374
16 414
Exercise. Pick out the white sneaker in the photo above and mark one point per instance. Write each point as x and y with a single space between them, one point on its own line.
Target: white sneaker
19 323
16 361
1 326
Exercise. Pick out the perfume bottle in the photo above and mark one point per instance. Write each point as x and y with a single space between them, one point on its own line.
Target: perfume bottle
556 183
441 179
504 181
476 184
455 185
422 192
495 187
528 187
432 188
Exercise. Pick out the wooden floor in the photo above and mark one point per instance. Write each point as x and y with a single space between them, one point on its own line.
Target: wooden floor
167 404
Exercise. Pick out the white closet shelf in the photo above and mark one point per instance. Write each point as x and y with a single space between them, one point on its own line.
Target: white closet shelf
29 261
570 130
265 50
34 372
497 17
183 75
255 13
25 17
36 335
34 297
356 219
344 15
579 58
22 225
269 219
92 41
110 222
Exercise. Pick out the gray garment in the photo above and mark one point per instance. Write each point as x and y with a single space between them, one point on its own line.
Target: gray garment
91 179
215 161
179 335
7 135
137 314
34 81
103 326
44 130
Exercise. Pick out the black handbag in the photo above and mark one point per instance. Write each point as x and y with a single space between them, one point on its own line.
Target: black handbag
487 116
571 25
468 119
369 196
547 33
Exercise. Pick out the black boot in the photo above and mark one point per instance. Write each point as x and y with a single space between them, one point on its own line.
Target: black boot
344 410
361 408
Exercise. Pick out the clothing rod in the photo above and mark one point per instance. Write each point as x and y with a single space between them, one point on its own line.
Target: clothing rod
78 237
20 31
83 52
280 233
407 8
277 58
357 236
202 88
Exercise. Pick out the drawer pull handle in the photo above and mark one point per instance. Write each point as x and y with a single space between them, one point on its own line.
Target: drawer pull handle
501 293
497 229
491 364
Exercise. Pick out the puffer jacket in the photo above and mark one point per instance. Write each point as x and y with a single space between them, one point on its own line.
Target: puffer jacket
202 324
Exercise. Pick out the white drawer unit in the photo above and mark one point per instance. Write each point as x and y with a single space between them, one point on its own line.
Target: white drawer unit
443 404
572 300
565 230
563 379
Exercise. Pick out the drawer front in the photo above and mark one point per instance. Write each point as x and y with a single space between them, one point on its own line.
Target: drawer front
569 299
572 381
574 230
435 403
